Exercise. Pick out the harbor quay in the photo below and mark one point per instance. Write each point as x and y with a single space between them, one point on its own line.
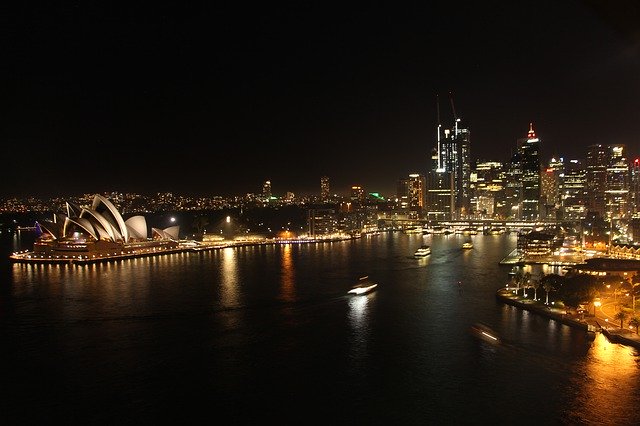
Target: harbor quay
89 254
600 321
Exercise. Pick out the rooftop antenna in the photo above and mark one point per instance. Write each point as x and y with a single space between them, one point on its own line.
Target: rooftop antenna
439 126
455 116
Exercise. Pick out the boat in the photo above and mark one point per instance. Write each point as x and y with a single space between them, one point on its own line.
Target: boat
364 286
484 332
422 251
413 230
467 245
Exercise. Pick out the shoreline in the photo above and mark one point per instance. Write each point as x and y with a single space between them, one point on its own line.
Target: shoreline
28 257
589 324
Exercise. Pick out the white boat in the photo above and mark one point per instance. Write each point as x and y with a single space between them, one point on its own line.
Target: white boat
467 245
424 250
364 286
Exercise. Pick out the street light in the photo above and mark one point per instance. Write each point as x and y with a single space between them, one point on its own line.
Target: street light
596 304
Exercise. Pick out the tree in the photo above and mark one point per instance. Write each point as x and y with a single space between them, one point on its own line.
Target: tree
620 315
199 224
535 283
635 322
518 279
526 282
578 289
551 283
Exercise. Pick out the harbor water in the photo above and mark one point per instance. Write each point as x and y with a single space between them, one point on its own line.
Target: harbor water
269 333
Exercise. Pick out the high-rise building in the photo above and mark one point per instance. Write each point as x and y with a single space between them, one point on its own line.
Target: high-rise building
550 178
596 178
452 155
415 192
324 189
573 190
617 183
634 191
440 201
529 150
358 196
487 190
266 190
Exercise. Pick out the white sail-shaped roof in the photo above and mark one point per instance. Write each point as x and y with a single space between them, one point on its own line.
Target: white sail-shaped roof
106 226
173 232
137 227
82 223
114 216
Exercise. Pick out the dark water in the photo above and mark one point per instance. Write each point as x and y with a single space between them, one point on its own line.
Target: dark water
267 333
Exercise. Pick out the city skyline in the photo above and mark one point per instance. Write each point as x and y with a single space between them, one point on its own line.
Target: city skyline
216 102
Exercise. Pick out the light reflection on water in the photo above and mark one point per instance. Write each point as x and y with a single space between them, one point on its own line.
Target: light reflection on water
260 325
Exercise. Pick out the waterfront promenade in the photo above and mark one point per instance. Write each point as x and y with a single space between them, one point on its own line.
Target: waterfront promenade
602 320
183 246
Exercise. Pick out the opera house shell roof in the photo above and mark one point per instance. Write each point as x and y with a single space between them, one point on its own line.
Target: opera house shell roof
102 222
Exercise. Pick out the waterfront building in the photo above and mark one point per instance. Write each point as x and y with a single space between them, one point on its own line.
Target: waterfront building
322 222
539 243
96 231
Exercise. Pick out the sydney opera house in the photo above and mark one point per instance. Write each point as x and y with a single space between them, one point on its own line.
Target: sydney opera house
96 233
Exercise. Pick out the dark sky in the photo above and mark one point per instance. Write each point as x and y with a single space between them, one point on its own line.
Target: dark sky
214 98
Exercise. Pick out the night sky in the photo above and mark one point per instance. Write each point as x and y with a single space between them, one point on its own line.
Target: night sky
214 98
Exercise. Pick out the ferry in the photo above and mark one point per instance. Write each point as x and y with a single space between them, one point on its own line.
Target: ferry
364 286
484 332
424 250
467 245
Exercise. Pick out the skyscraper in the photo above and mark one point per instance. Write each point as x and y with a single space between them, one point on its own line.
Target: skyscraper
324 189
452 156
617 183
266 190
596 178
573 190
415 192
529 150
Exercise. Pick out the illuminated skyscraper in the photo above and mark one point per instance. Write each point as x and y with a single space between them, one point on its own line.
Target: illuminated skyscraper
415 192
617 183
451 157
358 196
324 189
573 190
266 190
596 178
529 157
487 190
635 186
